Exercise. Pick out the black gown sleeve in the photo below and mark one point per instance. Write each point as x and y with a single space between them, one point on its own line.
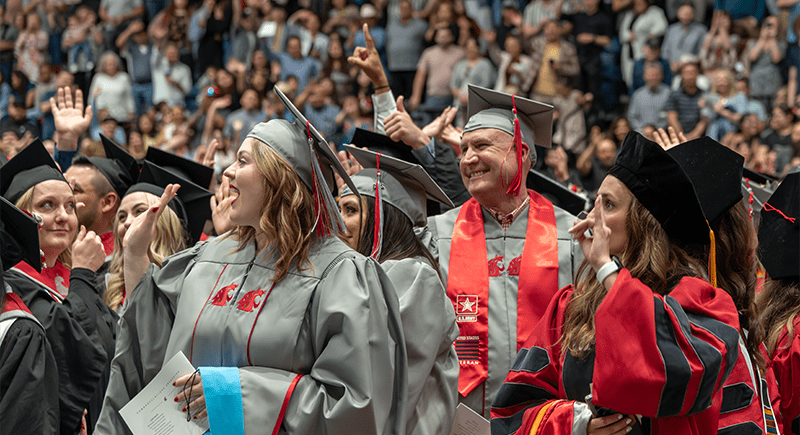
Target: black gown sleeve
28 381
75 331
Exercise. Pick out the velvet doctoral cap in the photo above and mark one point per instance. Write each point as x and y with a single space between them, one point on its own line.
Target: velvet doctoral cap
30 167
380 143
715 171
19 237
659 183
199 174
191 203
487 108
779 232
404 185
118 167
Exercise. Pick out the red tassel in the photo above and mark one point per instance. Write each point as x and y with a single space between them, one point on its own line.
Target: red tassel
377 241
514 187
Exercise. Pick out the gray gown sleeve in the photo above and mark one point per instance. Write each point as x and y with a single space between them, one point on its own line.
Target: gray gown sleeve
429 325
143 332
357 383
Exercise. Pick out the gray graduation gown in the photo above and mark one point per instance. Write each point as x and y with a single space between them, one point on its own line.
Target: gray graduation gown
429 325
336 324
437 237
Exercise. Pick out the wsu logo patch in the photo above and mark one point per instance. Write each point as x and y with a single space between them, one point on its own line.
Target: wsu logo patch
466 308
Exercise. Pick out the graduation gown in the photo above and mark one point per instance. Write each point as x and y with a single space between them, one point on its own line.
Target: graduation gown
785 363
662 357
507 245
81 330
28 373
319 352
429 325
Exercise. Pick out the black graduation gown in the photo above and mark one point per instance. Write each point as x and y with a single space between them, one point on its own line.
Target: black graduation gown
81 330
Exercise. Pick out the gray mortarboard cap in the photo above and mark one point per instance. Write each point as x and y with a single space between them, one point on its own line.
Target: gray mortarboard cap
18 231
119 167
555 192
755 195
191 203
291 141
380 143
406 186
487 108
30 167
180 166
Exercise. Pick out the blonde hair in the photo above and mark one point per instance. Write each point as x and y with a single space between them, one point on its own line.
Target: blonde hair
170 238
287 213
25 203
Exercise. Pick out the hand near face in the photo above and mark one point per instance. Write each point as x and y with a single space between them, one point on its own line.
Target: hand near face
143 229
221 207
87 251
596 247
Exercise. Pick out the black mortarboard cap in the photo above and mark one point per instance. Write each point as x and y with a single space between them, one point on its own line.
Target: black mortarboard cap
758 177
380 143
779 232
182 167
555 192
28 168
659 183
191 204
119 167
715 171
20 237
406 185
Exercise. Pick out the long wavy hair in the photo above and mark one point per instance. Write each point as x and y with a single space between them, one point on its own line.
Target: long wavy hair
737 271
779 303
287 213
399 240
25 202
169 239
649 255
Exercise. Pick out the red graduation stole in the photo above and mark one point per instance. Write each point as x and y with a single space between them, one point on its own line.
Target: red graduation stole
51 278
14 303
468 283
108 242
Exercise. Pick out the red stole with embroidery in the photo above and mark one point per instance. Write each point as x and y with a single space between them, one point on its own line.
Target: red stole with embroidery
55 279
468 282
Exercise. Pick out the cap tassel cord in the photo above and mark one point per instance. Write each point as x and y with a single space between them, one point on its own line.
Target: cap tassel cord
769 207
377 236
325 223
712 259
514 187
749 198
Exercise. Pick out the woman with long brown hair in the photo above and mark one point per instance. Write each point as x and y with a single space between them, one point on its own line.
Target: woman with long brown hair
293 330
643 339
779 301
385 231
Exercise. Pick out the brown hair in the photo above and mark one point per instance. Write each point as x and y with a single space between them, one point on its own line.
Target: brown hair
399 240
779 303
287 213
649 255
25 203
736 271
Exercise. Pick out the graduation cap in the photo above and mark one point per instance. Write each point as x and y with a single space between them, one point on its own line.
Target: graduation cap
30 167
487 108
779 232
526 120
191 203
294 142
380 143
403 185
406 185
182 167
18 231
715 171
659 183
755 195
555 192
119 167
758 177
